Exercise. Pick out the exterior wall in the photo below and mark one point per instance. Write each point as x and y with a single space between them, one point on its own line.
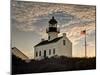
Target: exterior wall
60 49
64 50
53 35
45 47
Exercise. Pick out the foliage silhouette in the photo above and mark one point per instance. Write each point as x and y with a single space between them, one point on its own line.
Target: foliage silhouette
53 64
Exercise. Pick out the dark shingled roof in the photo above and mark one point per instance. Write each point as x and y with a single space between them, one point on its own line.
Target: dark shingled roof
47 42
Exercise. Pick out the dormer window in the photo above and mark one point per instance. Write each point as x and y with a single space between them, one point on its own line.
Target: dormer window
64 42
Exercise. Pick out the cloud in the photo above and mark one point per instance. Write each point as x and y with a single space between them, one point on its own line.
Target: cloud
73 30
28 13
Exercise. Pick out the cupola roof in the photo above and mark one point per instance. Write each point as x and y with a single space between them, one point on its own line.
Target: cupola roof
53 20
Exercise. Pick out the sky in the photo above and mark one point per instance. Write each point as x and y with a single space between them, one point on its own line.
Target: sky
29 21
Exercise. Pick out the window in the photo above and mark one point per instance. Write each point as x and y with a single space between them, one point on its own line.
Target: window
36 54
54 51
40 53
49 37
44 53
49 51
64 42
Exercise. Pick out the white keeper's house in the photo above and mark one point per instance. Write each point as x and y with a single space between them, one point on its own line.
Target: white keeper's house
60 46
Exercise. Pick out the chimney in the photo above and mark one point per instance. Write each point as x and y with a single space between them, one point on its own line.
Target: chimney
64 34
42 39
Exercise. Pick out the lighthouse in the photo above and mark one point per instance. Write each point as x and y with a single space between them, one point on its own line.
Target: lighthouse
54 45
52 30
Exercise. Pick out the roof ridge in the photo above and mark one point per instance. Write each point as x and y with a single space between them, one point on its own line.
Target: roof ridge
47 42
21 52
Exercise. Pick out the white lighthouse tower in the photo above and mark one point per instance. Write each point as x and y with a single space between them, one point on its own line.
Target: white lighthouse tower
52 30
